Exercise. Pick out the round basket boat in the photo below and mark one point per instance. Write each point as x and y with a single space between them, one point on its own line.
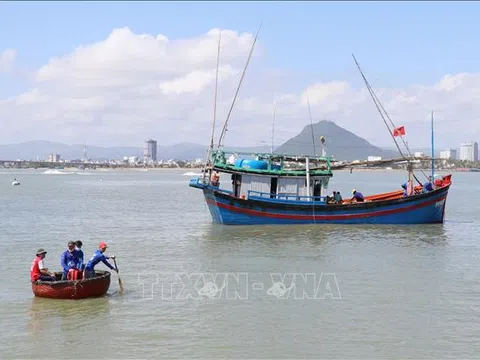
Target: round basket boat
73 289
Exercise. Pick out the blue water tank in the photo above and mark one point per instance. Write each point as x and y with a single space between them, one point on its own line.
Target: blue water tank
251 164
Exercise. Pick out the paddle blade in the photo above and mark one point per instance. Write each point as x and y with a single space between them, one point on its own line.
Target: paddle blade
120 284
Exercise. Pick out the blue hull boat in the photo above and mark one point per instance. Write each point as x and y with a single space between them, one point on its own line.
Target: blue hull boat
256 198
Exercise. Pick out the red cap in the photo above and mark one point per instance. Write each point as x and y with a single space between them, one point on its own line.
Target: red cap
102 245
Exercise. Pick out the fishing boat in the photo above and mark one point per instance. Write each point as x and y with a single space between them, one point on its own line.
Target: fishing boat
269 188
273 189
73 289
15 182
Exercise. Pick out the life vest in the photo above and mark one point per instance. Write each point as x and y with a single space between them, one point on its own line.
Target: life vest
74 274
35 269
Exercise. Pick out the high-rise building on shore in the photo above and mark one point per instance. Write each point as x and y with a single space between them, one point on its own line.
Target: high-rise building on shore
53 158
150 150
469 151
450 154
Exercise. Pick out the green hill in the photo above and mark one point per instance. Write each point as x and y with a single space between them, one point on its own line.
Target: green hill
340 143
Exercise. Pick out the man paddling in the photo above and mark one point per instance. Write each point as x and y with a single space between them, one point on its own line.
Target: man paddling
96 258
38 271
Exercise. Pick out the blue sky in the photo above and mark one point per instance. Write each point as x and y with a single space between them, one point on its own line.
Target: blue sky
402 42
399 44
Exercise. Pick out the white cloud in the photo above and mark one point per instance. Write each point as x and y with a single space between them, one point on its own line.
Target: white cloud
130 87
7 60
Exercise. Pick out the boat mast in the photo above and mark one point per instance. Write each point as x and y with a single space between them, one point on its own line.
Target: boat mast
224 129
311 123
273 122
433 152
210 149
307 171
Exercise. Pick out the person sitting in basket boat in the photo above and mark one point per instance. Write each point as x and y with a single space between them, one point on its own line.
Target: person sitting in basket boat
96 258
38 271
78 247
69 259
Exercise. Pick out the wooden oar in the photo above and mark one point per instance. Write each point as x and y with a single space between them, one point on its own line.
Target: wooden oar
119 280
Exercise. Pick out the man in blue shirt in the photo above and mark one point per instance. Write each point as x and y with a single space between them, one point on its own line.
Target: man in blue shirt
357 196
69 259
96 258
427 187
78 247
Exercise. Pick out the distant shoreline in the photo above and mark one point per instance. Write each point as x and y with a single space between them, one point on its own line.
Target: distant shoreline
198 170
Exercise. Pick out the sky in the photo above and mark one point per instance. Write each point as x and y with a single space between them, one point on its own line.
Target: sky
118 73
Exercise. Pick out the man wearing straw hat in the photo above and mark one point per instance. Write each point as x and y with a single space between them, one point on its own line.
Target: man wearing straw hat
38 271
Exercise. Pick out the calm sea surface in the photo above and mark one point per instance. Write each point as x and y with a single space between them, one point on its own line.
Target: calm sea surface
367 291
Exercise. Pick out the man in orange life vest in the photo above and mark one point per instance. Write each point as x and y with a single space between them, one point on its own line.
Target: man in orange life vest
38 271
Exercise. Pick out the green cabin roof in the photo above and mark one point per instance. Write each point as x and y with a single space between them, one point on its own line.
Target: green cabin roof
276 163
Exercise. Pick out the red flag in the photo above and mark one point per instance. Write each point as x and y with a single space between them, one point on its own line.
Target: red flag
399 131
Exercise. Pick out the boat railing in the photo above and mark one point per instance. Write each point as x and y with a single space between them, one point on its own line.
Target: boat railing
286 197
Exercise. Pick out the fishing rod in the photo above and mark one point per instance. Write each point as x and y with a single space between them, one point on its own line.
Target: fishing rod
224 129
380 107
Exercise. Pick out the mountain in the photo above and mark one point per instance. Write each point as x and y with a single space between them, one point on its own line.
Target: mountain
31 150
340 143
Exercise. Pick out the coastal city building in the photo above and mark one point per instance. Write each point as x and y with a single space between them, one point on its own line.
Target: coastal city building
469 151
450 154
53 158
150 151
374 158
419 154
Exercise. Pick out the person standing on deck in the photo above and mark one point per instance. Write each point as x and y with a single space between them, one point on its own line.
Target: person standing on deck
96 258
38 271
357 196
78 247
69 259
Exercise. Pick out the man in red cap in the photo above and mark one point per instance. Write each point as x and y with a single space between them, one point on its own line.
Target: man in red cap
38 271
96 258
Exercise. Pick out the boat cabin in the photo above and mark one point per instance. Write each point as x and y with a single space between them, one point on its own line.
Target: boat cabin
272 176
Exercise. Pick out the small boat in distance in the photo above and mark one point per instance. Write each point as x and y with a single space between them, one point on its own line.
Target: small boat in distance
15 182
73 289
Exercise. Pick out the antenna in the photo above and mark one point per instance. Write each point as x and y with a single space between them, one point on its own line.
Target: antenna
224 129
